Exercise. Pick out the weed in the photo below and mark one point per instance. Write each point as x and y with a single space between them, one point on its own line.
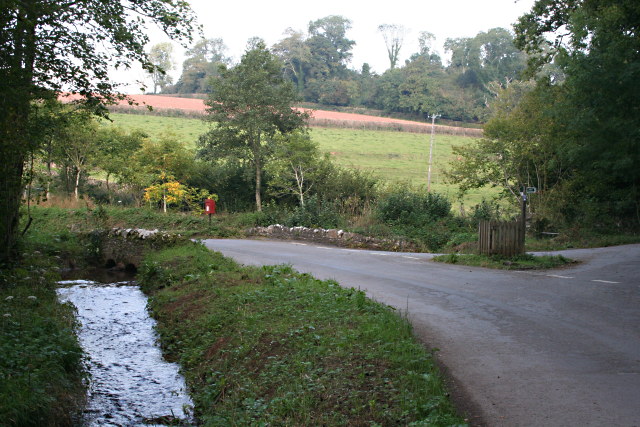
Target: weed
520 262
41 374
270 346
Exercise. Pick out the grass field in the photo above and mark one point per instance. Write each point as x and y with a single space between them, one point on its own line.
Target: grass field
394 156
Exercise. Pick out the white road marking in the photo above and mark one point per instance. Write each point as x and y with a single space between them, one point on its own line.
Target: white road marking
301 244
604 281
559 277
410 257
378 253
322 247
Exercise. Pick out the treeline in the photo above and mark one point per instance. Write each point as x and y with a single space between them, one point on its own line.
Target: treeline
318 63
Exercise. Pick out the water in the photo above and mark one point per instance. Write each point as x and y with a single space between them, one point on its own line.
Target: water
130 383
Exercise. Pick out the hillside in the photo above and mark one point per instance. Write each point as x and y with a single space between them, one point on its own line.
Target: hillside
394 156
318 118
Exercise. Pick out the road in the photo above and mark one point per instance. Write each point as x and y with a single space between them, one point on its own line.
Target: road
552 348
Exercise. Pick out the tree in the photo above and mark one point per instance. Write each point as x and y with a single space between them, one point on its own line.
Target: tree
597 45
295 54
425 42
296 166
202 63
160 57
79 145
393 35
46 47
329 46
115 151
520 147
250 107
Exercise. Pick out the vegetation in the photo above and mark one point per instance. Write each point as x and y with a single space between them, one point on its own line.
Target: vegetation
41 362
521 262
393 157
250 109
572 134
294 350
317 63
160 58
277 347
51 46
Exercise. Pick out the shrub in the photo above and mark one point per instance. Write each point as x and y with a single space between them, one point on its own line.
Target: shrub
410 208
316 212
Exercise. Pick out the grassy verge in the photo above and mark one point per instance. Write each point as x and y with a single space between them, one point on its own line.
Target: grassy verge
58 222
522 262
581 238
273 347
41 373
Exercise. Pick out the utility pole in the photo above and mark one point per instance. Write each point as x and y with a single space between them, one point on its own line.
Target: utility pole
433 127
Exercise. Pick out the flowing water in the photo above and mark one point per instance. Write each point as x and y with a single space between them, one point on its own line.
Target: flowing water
130 383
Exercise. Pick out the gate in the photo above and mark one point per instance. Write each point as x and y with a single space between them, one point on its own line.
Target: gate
501 238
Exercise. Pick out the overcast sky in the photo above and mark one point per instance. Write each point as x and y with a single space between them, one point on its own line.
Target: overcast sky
235 21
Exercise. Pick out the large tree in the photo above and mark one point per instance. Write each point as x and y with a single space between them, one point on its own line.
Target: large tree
250 106
203 60
50 46
393 35
160 56
596 43
296 55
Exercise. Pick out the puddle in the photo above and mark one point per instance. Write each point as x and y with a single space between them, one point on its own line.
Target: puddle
130 382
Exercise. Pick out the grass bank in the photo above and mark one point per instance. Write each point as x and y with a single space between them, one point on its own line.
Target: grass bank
269 346
41 370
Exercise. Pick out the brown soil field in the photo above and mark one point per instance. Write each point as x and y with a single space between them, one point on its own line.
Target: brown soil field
319 118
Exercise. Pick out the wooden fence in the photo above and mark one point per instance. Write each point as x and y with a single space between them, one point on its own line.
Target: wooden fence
501 238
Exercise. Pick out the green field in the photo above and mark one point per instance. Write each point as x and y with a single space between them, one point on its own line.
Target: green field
394 156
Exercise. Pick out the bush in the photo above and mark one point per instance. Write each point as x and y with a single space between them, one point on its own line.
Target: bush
486 211
410 208
315 213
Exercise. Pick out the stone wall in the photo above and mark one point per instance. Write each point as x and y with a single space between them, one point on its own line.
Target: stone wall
332 236
121 248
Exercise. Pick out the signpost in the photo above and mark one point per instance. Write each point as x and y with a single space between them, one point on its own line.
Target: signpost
523 194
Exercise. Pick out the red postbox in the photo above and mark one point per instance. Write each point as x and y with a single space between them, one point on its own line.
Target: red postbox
209 206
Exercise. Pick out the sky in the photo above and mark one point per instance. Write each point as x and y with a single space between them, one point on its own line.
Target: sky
236 21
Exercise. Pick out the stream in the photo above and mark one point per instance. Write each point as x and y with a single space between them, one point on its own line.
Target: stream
130 383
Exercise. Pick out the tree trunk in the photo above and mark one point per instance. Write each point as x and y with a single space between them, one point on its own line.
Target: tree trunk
257 162
258 186
77 184
164 200
17 80
11 168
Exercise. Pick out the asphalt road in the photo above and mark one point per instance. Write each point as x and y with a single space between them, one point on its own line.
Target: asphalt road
552 348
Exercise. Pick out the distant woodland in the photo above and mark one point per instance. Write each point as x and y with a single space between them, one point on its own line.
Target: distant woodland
318 62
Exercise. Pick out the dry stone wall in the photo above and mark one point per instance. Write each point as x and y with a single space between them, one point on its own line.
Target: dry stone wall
332 236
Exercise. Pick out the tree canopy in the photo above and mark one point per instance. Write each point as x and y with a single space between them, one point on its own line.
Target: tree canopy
577 137
250 108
